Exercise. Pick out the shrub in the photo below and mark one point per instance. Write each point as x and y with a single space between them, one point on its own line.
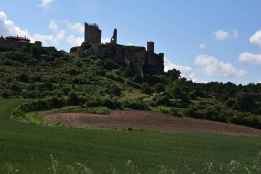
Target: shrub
161 99
179 89
94 101
114 90
247 119
135 104
98 110
74 99
162 109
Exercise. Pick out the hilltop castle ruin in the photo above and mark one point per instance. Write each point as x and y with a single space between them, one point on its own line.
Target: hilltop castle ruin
145 60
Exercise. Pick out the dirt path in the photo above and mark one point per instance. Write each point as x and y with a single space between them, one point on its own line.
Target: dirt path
146 120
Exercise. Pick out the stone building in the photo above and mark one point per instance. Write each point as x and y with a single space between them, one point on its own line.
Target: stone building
14 42
92 34
145 60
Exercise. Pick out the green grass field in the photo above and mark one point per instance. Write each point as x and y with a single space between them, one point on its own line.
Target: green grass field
28 147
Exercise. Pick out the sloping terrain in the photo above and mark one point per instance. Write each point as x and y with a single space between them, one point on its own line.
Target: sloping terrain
54 79
33 80
28 147
146 120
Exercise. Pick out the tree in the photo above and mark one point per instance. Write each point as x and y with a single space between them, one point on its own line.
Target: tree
179 90
173 74
74 99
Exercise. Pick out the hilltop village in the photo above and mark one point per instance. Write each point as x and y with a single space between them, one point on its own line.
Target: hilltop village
145 61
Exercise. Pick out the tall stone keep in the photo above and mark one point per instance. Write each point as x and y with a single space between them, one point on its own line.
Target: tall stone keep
92 34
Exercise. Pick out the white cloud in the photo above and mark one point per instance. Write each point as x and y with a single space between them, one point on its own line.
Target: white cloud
57 36
222 35
186 71
8 27
47 40
61 28
106 40
202 46
45 3
53 26
60 34
76 27
68 32
250 58
74 40
213 66
256 38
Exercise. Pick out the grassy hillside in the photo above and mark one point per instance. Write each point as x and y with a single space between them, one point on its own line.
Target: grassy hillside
42 79
28 148
55 79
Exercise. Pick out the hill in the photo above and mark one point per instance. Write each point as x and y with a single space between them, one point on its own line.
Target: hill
36 79
54 79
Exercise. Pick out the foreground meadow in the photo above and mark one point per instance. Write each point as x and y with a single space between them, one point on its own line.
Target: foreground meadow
32 149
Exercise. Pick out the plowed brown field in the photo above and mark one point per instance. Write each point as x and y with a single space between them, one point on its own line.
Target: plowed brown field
146 120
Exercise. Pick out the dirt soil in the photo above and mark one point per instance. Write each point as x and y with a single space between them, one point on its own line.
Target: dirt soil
146 120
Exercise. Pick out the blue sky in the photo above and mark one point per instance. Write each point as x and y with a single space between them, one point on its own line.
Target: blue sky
217 40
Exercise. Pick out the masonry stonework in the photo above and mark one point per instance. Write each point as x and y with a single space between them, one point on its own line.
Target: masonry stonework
150 47
16 42
92 34
12 42
145 61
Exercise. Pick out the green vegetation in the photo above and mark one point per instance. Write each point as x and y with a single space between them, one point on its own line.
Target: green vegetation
53 79
233 167
36 79
28 147
78 109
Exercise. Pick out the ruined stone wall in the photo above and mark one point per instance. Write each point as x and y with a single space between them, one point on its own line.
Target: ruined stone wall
150 47
130 54
75 51
138 57
135 57
9 44
154 63
123 55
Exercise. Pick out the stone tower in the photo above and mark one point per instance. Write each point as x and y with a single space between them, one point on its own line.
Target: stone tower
114 38
92 34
